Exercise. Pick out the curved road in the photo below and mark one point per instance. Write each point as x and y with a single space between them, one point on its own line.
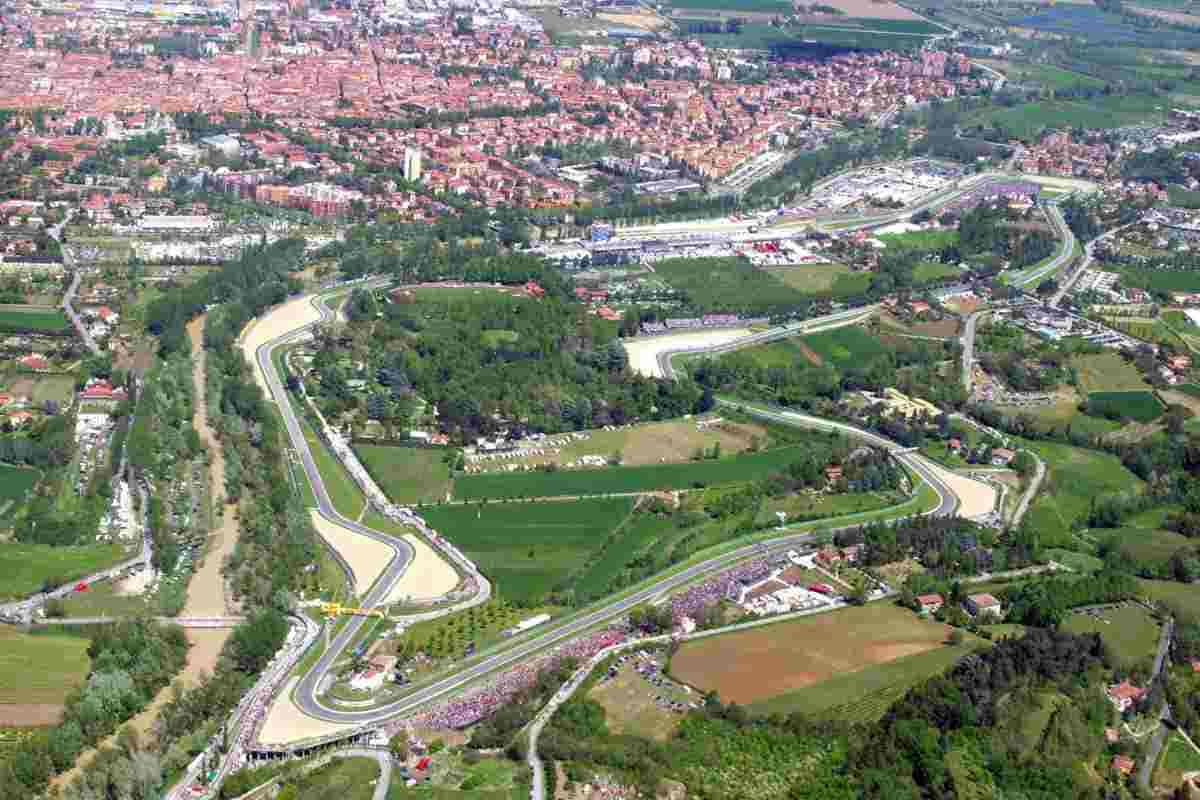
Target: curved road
306 693
309 686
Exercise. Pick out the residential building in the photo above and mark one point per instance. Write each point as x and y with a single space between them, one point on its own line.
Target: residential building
1125 695
984 605
930 603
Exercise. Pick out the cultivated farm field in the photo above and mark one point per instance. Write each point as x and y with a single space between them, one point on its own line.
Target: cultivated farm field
619 480
1106 372
864 695
528 548
36 674
32 318
1140 406
838 280
848 345
752 665
726 284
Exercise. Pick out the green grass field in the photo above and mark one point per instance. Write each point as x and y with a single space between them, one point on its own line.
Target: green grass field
344 778
1192 389
40 669
343 492
1051 76
407 474
920 240
865 695
1139 406
1184 595
1146 545
32 319
495 338
634 535
848 345
399 791
1106 372
727 284
15 483
1161 280
934 272
617 480
102 599
1074 476
24 567
1026 121
1080 562
1130 632
837 280
528 548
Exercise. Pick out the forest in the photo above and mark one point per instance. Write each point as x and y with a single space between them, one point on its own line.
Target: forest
473 355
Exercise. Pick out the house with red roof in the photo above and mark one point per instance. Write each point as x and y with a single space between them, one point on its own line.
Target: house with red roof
99 390
533 289
34 361
980 605
1124 695
1123 764
930 603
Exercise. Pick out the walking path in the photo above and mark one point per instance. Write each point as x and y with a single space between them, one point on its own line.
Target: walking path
207 591
1030 490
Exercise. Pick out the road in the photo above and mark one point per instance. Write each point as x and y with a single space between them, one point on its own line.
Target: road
828 322
22 610
1035 275
308 689
1030 490
381 757
68 298
306 693
1066 284
968 351
1146 770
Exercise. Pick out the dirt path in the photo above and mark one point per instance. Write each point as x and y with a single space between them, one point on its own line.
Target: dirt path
206 592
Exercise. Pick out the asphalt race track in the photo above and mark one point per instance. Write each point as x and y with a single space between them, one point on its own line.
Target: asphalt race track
308 688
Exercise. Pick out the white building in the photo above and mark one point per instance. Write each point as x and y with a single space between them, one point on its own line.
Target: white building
412 164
